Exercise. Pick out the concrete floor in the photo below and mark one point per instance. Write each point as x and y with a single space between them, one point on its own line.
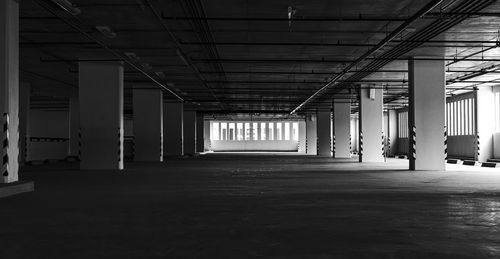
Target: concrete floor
254 205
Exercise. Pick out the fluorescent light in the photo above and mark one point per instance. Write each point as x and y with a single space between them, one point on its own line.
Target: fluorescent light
106 31
68 6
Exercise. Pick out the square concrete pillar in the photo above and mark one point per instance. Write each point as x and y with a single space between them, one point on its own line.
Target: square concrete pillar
9 89
24 115
342 129
101 115
302 137
311 134
206 139
485 107
392 134
200 132
189 133
426 116
173 134
148 124
370 125
74 127
324 133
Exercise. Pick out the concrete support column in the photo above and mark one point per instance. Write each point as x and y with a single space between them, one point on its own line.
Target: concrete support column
24 116
9 89
342 129
74 127
148 124
485 107
370 125
311 134
392 135
426 116
302 137
200 132
173 133
355 134
101 115
190 133
324 133
206 139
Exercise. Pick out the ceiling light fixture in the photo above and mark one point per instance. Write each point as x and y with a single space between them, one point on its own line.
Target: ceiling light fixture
160 74
132 56
106 31
181 56
68 6
146 66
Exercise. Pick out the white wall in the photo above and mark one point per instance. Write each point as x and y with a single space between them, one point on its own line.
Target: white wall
255 145
461 146
496 145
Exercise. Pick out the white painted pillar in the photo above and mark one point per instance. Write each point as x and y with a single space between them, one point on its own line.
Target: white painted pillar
426 116
101 115
342 129
311 135
74 127
302 136
370 125
355 133
324 133
485 111
207 138
9 89
148 124
190 133
200 132
393 132
173 114
24 116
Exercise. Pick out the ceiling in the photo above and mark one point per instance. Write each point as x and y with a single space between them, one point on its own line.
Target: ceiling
235 56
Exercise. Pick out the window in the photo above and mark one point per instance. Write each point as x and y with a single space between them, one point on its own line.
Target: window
271 131
223 129
287 131
232 131
263 131
247 131
255 131
497 110
215 131
295 135
239 129
460 115
278 131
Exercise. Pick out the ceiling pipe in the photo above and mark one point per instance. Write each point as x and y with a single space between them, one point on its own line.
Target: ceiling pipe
427 8
179 50
104 46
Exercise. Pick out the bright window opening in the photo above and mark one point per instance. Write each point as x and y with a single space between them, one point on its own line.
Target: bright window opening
287 131
271 131
278 131
263 131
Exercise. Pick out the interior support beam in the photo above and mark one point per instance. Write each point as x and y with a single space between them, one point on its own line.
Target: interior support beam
101 115
426 115
370 125
9 90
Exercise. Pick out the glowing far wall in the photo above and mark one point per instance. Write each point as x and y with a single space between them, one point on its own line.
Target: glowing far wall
256 136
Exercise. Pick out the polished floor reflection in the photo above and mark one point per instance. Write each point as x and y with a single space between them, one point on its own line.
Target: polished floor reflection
254 205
